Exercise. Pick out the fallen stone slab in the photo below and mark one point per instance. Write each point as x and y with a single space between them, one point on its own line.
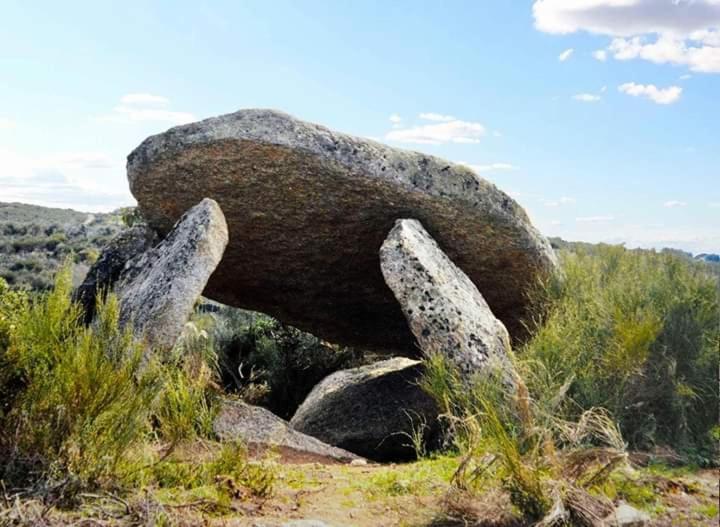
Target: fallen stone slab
254 425
158 289
106 270
372 410
444 310
307 210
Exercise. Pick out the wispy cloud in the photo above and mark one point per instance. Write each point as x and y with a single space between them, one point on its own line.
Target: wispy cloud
600 55
667 95
564 200
430 116
395 118
145 107
672 204
492 167
6 124
443 132
144 99
594 219
715 205
586 97
565 55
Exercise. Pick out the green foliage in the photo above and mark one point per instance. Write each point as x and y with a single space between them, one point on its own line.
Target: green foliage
186 406
272 364
635 332
79 400
547 465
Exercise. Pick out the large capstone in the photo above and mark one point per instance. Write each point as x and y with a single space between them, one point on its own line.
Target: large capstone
445 311
158 289
308 208
374 410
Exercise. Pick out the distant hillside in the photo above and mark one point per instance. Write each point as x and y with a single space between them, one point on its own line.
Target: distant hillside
35 240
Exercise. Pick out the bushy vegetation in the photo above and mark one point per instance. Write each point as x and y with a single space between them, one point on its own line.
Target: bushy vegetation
35 241
636 333
272 364
89 407
626 351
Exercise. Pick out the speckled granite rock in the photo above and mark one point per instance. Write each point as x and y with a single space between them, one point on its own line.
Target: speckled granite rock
370 410
258 426
308 209
158 289
445 311
107 268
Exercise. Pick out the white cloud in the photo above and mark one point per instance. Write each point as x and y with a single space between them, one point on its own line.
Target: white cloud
493 167
603 89
143 107
496 133
565 55
594 219
564 200
683 32
674 204
685 77
586 97
430 116
445 132
395 119
600 55
667 95
6 124
144 99
668 49
80 180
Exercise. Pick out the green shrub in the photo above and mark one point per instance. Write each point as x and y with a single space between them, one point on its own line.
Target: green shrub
635 332
79 399
270 363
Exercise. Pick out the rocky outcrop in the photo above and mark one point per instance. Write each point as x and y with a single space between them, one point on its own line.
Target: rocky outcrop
158 289
445 311
254 425
308 209
106 270
372 410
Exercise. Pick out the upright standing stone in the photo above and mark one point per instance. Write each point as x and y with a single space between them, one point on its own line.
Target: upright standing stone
445 311
106 271
308 209
158 289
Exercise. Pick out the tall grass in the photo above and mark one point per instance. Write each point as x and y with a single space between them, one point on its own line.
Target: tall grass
637 333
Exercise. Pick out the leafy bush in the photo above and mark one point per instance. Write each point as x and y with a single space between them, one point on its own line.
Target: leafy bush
272 364
78 399
637 333
77 403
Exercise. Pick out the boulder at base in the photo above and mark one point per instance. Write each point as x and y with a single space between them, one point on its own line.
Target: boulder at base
308 209
106 270
445 311
257 426
372 410
158 289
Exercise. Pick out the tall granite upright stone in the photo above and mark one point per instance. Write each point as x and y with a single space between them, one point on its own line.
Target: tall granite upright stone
307 210
445 311
158 289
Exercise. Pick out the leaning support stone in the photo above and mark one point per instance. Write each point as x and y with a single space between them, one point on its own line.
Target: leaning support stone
107 269
158 289
445 311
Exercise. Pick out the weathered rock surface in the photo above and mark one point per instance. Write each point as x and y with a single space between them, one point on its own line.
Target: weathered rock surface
158 289
106 270
445 311
370 410
257 426
308 209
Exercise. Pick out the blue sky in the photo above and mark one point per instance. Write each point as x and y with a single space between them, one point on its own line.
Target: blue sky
616 140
